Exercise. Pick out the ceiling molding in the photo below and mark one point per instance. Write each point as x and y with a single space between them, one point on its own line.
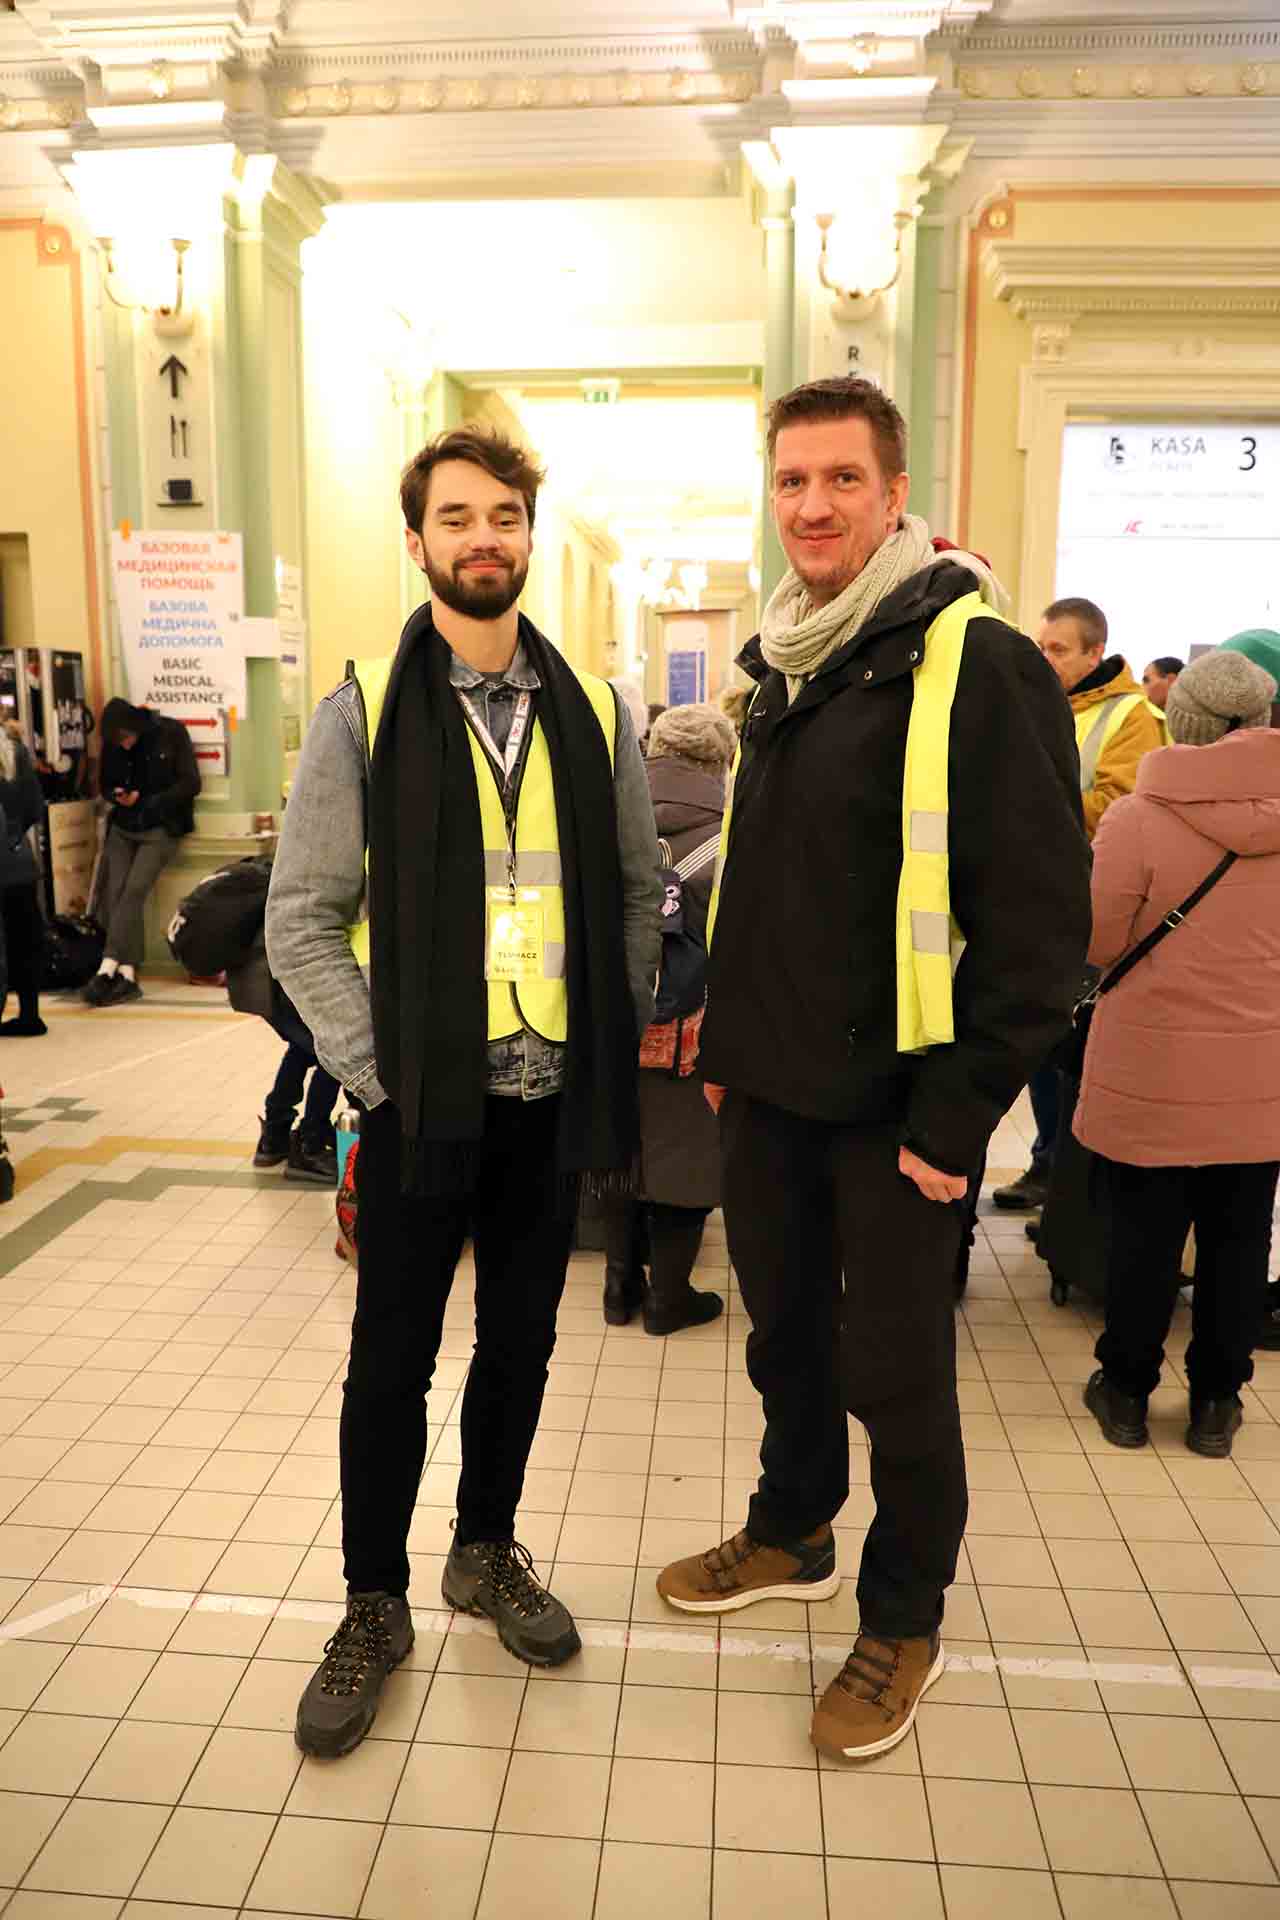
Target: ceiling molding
1245 129
1068 283
1069 42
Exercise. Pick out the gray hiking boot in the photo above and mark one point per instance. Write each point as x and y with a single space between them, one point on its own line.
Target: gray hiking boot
496 1578
341 1700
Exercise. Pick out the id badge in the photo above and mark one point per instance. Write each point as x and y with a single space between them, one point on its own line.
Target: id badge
514 948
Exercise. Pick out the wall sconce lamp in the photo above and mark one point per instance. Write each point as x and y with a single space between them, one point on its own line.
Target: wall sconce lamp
857 300
169 317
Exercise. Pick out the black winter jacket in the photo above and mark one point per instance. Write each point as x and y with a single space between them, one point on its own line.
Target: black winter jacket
802 1009
161 768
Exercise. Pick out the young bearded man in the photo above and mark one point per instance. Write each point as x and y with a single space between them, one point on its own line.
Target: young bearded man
483 1000
906 792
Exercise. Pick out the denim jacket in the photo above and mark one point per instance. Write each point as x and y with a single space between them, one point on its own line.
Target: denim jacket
318 892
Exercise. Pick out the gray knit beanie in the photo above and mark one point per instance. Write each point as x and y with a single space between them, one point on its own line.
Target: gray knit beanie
1213 691
695 732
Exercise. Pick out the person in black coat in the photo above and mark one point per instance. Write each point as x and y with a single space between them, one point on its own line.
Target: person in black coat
847 1137
21 808
150 776
691 749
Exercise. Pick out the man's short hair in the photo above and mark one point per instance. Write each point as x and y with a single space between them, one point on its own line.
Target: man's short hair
846 397
1168 663
486 447
1090 619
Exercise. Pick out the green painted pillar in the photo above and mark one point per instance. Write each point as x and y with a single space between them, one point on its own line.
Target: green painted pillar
922 388
779 351
236 433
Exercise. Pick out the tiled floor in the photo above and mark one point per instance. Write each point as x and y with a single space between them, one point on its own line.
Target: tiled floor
1106 1741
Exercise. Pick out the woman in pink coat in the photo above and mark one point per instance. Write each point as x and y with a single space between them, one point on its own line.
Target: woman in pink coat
1180 1096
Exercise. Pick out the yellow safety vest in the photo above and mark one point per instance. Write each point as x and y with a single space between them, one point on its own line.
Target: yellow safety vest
928 941
542 1005
1097 726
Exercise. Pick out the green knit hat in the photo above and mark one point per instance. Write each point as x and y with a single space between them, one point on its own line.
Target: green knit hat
1259 644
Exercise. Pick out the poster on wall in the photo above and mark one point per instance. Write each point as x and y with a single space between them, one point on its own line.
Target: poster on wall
1173 529
181 603
73 847
686 643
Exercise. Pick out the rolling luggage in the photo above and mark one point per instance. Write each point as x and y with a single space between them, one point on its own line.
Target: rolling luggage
1075 1227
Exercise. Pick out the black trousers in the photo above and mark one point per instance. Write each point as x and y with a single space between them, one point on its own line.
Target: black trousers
1152 1209
802 1200
281 1103
23 942
522 1226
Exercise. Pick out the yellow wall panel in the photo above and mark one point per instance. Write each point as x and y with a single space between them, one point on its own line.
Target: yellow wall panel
46 487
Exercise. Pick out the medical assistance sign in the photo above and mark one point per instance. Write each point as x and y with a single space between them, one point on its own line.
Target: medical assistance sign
181 603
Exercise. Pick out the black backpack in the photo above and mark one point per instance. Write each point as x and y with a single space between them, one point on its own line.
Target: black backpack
682 981
215 927
73 948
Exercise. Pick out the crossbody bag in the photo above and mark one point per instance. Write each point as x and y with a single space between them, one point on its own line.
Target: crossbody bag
1071 1055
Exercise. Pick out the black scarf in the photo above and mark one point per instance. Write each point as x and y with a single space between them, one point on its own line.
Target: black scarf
427 923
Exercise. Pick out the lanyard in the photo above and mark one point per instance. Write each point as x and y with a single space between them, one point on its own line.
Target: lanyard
508 762
515 738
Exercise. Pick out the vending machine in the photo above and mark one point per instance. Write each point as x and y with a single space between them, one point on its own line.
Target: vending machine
43 690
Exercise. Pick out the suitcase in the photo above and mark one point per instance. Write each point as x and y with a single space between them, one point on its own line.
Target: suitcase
1074 1237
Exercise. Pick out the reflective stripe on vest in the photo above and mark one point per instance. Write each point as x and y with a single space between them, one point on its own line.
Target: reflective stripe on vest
928 942
541 1005
1097 727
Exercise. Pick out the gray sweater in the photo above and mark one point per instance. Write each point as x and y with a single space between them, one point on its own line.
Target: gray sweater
318 887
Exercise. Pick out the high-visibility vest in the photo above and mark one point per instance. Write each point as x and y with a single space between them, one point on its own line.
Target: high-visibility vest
928 941
1097 727
541 1005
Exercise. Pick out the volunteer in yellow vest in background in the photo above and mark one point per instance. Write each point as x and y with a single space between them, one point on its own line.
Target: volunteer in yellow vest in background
465 910
1115 726
905 802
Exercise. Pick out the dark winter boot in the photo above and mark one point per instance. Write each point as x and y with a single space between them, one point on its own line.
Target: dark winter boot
1122 1416
626 1244
1214 1424
671 1304
315 1162
273 1142
341 1699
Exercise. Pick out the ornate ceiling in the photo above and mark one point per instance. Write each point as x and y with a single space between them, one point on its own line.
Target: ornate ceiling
360 94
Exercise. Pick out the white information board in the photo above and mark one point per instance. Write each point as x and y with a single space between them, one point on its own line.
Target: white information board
1173 529
181 603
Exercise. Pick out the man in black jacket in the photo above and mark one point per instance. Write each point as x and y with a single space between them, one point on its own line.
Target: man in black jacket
852 1123
149 774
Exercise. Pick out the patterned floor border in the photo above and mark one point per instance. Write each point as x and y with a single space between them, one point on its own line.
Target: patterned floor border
32 1235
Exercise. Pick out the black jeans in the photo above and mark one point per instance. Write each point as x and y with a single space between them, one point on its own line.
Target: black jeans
803 1199
1152 1209
522 1223
322 1095
23 943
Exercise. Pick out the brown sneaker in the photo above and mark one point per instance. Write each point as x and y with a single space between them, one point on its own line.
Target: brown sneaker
742 1571
871 1703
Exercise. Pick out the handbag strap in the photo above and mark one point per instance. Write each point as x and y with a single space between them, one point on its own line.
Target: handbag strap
702 856
1171 922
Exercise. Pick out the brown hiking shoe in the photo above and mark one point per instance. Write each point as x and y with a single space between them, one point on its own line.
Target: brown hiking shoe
742 1571
871 1703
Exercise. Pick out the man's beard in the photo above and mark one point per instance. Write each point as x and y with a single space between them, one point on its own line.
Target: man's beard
487 598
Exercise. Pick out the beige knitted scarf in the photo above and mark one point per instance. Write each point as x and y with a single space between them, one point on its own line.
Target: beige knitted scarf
796 637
